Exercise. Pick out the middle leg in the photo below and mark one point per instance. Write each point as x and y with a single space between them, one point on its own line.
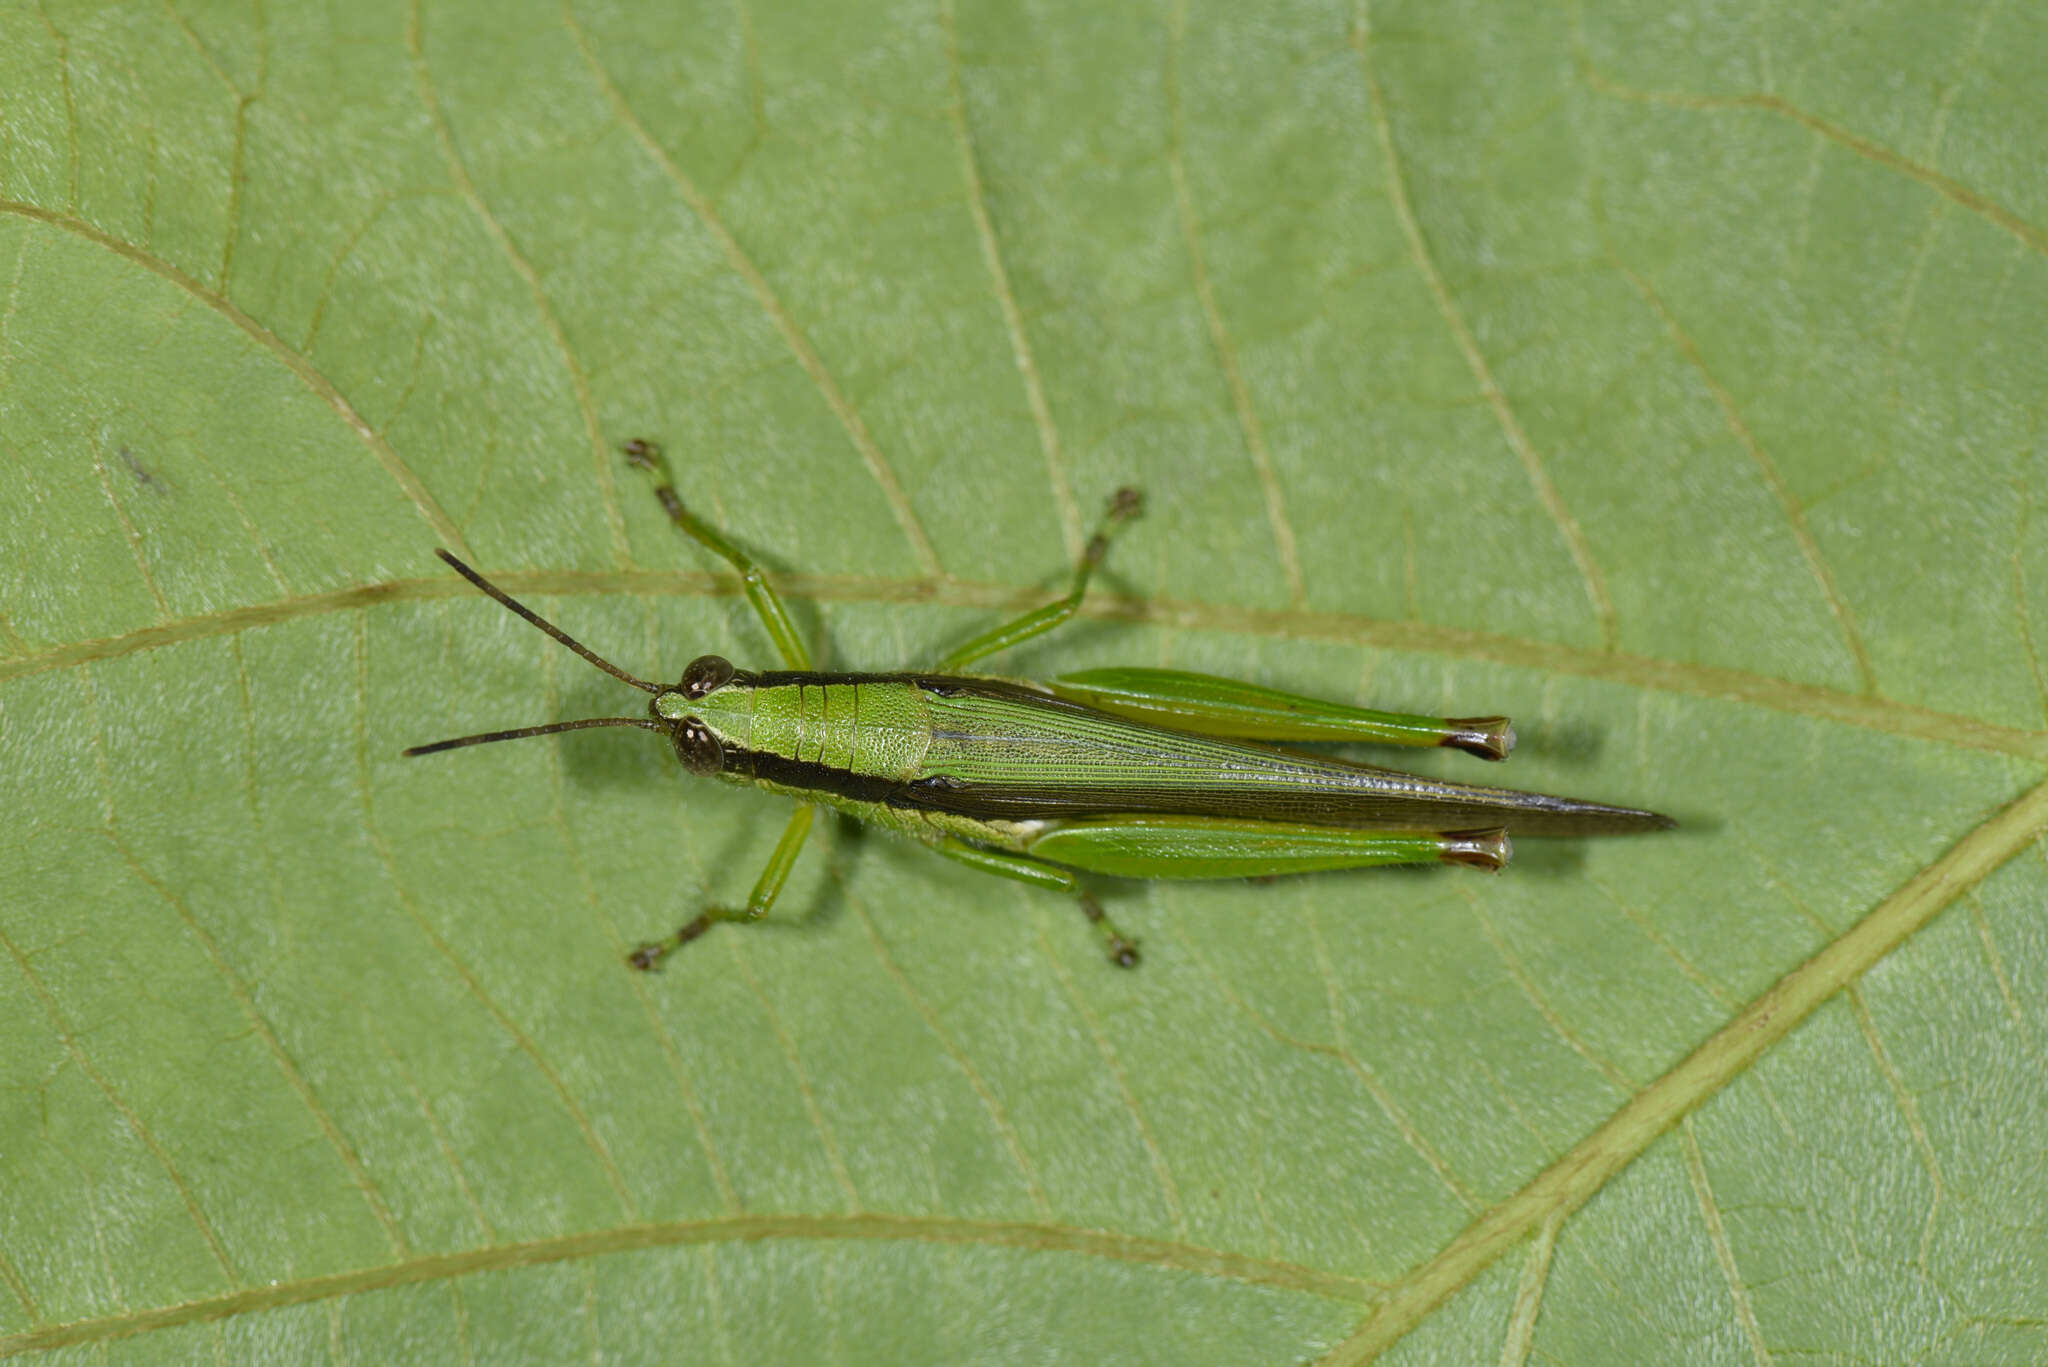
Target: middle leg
1123 506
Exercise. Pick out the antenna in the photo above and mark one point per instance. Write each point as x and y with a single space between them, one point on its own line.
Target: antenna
520 609
486 737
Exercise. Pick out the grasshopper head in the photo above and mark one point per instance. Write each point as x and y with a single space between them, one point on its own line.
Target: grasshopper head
707 709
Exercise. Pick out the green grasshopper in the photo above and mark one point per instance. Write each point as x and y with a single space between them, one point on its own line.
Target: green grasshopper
1134 773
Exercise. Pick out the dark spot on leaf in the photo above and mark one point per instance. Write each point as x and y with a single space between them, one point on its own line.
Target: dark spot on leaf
144 476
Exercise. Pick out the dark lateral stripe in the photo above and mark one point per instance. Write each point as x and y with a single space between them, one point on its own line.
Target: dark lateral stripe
812 777
946 685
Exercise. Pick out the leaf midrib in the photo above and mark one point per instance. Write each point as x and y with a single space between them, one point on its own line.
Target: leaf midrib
1685 678
1573 1178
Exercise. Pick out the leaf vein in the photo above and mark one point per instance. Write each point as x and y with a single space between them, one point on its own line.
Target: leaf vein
413 1271
1692 971
1219 333
1593 1162
129 1115
1762 102
1724 1251
721 1176
834 1158
200 50
1361 1072
1996 961
468 976
244 999
1909 1110
63 41
321 387
1006 296
1520 1338
1788 502
133 537
998 1115
1162 1172
11 1274
442 1140
771 304
1526 982
2021 611
1496 398
579 378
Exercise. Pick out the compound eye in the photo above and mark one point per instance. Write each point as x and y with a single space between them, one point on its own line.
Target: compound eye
705 674
698 749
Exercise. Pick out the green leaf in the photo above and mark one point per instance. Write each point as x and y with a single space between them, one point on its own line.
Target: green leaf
1670 380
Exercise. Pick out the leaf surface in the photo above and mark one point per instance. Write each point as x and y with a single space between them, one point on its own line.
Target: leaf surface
1667 379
